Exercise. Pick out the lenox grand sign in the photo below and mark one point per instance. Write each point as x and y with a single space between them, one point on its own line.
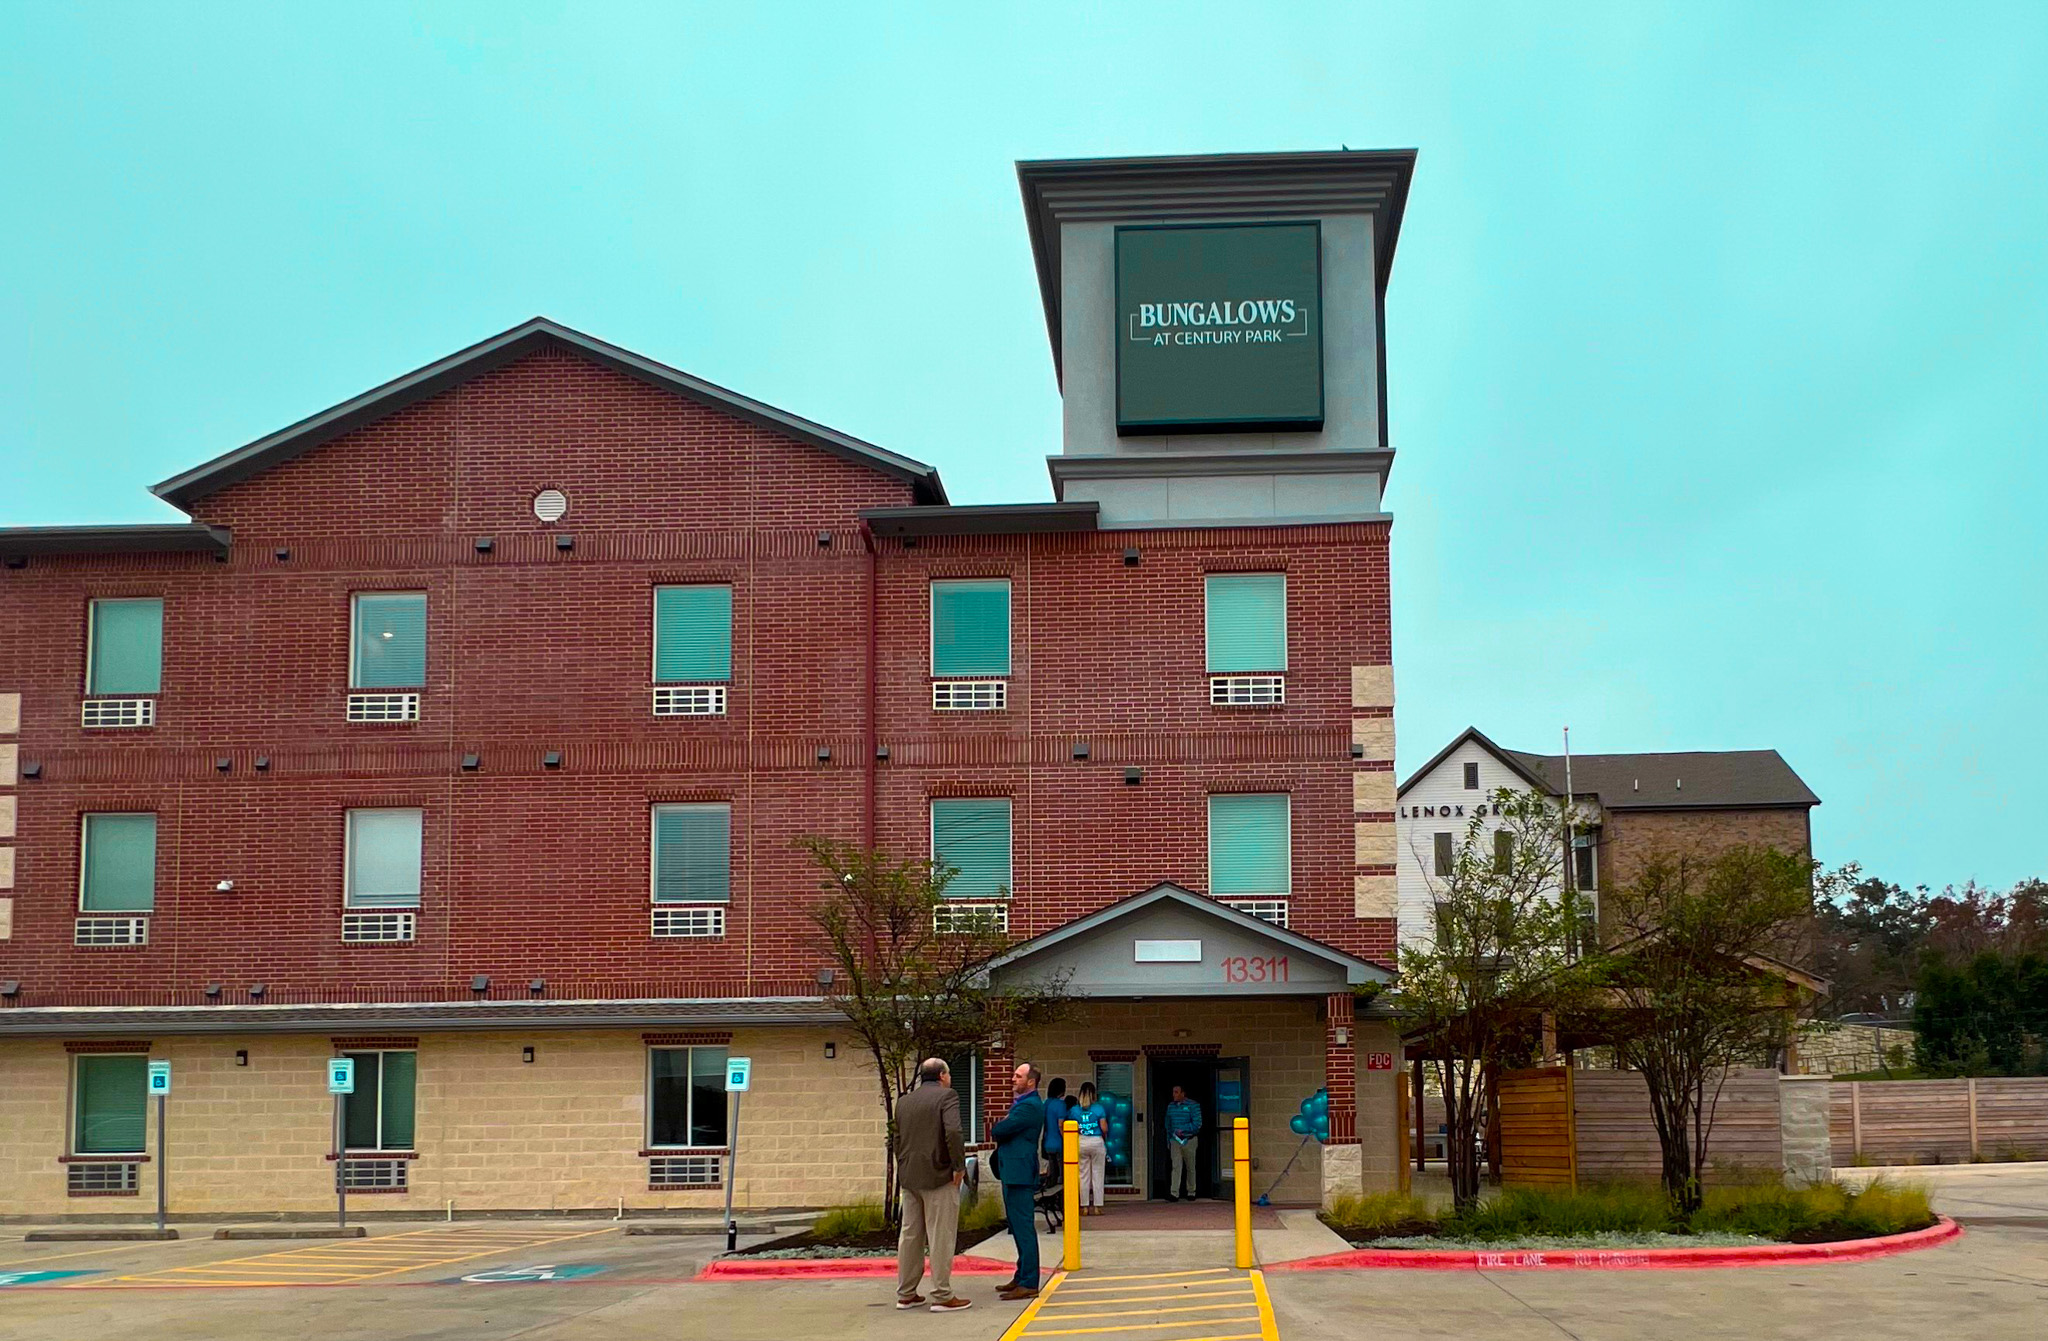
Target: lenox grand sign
1219 327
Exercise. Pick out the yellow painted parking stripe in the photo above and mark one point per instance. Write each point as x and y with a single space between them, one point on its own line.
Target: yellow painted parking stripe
1269 1326
1023 1321
1140 1327
1245 1293
1150 1312
1169 1275
88 1252
341 1263
1164 1291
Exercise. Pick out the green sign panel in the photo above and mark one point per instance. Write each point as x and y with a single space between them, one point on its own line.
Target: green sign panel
1219 327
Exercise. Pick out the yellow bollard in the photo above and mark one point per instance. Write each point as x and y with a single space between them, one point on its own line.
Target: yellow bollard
1070 1194
1241 1142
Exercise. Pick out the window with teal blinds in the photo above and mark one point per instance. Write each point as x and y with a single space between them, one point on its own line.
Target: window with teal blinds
1247 622
127 656
972 835
390 640
379 1114
1249 844
118 873
110 1100
971 627
693 854
384 858
692 634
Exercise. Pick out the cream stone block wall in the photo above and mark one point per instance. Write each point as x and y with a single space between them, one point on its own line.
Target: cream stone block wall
1375 895
1376 734
493 1132
1373 793
1372 842
10 713
7 815
1282 1037
1372 686
10 757
1379 1131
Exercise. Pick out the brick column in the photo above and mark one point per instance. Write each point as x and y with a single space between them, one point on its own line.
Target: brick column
996 1065
1340 1070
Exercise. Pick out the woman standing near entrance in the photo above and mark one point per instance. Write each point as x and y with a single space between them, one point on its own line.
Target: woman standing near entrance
1092 1119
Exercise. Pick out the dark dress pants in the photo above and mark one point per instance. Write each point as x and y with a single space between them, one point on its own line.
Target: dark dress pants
1017 1205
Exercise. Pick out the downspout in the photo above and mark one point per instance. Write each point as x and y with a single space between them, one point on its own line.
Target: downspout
869 781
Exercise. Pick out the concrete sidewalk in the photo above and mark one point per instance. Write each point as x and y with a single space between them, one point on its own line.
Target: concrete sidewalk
1297 1234
1972 1193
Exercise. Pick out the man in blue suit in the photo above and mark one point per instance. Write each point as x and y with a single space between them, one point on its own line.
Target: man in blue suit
1017 1139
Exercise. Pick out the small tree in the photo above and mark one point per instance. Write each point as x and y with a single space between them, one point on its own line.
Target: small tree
1697 983
1500 956
909 988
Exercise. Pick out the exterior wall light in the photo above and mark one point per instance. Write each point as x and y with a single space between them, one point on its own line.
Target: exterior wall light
552 759
480 983
484 544
241 1056
1133 776
831 1050
526 1054
565 543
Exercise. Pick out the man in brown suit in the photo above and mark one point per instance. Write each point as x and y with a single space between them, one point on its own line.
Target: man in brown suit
931 1155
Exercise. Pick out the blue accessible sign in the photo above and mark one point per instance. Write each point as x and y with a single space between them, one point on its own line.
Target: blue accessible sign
341 1075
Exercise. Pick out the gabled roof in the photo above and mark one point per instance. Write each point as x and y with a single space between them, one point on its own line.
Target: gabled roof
1689 780
1209 187
1508 758
1355 970
539 333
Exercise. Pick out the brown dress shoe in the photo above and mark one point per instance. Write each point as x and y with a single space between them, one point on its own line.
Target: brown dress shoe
953 1305
1016 1292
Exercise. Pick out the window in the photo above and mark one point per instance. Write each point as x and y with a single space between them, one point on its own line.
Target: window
971 627
692 634
965 1068
125 647
693 853
117 873
1585 865
1250 846
1113 1090
382 859
1247 622
972 835
1472 777
685 1097
378 1116
109 1097
1503 851
1444 858
390 640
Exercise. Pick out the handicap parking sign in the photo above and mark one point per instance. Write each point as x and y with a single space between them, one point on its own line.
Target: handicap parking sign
739 1072
341 1075
159 1077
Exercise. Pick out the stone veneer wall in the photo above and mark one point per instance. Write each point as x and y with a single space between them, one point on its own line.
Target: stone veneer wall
1803 1127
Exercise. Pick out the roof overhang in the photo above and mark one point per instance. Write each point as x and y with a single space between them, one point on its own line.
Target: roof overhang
1102 954
1204 187
151 538
991 519
421 1017
188 488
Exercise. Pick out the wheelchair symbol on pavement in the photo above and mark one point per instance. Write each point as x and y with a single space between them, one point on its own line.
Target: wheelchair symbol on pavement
529 1275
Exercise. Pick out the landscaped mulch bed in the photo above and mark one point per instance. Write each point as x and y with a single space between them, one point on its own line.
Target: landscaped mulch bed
875 1243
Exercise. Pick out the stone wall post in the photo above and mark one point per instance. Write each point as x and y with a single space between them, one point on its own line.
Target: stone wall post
1803 1127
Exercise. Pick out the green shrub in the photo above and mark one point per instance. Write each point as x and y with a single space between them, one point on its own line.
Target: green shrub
1518 1212
985 1213
851 1221
1885 1207
1377 1212
1818 1210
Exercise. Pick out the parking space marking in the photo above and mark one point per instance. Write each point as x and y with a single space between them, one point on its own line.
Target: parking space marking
1141 1306
349 1262
88 1252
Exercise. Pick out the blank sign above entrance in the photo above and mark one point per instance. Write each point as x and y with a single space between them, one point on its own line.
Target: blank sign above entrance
1168 952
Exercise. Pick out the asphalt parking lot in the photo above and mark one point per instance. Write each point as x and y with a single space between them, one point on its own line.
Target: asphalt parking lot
559 1280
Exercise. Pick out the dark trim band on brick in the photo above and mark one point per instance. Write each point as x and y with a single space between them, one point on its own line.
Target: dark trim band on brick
1183 1049
689 1038
371 1156
1113 1054
108 1045
103 1159
686 1150
347 1041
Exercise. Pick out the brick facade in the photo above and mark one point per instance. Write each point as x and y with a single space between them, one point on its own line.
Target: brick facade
1628 838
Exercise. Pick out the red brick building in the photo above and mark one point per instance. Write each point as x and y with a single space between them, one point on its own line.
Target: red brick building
470 727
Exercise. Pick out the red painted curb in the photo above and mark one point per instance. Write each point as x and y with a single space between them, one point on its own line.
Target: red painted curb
837 1268
1631 1259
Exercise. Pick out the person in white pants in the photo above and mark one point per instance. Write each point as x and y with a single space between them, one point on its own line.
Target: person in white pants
1092 1120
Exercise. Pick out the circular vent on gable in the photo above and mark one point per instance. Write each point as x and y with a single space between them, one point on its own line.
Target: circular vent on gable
550 505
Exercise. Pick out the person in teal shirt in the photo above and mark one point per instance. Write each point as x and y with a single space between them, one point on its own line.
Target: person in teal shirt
1183 1135
1091 1117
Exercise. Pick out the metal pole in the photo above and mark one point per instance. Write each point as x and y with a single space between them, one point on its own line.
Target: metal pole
340 1170
1571 870
732 1158
1241 1153
162 1159
1070 1194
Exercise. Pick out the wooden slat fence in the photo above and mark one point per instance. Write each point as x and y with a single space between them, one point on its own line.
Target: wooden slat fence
1563 1127
1536 1128
1937 1121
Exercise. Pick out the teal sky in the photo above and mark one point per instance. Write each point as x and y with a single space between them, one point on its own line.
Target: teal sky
1718 336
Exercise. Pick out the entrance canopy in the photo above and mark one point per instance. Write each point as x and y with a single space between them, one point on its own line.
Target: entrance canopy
1169 941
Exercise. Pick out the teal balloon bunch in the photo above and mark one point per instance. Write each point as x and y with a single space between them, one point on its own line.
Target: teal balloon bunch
1314 1117
1116 1133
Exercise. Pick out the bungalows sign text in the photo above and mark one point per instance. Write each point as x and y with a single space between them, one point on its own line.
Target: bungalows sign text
1219 326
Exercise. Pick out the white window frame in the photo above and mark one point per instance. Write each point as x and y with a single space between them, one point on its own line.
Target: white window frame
71 1118
380 1148
354 622
931 626
85 819
348 875
931 842
647 1096
1209 848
